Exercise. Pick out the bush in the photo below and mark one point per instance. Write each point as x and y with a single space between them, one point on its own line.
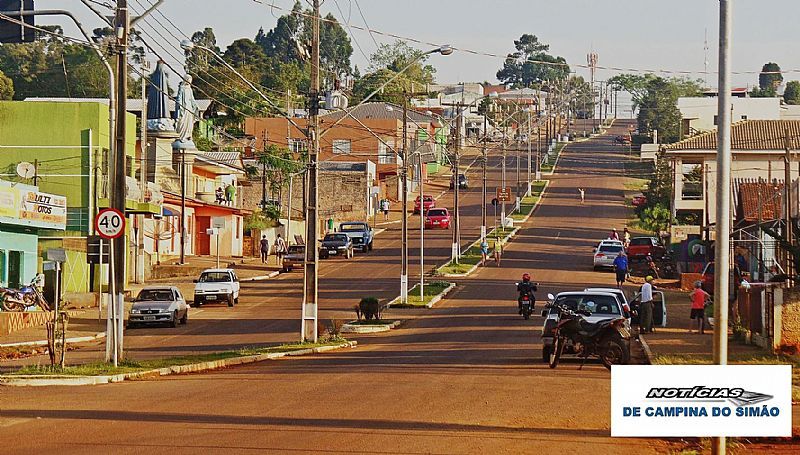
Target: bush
370 307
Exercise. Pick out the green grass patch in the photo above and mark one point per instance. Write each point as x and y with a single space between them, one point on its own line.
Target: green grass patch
134 366
550 163
741 358
636 184
430 290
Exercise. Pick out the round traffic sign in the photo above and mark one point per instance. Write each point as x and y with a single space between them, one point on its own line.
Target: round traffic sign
110 223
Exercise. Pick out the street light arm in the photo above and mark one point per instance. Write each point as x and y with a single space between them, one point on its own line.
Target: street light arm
135 20
444 50
105 19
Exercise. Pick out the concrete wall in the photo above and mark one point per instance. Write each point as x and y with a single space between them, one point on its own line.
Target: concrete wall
700 111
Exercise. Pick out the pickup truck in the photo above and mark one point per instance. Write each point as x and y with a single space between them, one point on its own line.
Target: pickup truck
360 233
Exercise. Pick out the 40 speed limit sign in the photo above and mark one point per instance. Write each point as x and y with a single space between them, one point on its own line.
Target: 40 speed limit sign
110 223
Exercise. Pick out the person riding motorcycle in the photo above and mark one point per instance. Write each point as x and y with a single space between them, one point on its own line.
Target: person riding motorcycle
526 288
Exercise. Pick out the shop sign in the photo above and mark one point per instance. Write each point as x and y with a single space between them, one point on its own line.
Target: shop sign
22 205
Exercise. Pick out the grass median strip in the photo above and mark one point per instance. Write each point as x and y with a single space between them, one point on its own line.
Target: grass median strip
472 256
550 163
134 366
431 290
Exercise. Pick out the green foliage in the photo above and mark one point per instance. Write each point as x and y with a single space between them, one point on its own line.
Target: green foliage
256 221
6 87
370 308
769 80
655 219
656 98
521 68
386 63
792 93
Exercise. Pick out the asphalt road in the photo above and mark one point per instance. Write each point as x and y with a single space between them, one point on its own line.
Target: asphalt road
464 377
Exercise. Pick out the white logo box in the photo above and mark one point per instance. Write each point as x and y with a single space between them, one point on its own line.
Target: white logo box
701 400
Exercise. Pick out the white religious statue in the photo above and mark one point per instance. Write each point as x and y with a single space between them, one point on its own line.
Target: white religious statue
186 112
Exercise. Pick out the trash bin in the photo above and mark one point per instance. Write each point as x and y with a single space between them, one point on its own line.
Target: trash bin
330 224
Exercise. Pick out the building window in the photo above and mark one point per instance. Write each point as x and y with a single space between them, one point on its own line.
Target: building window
341 146
385 155
297 146
716 120
744 117
692 176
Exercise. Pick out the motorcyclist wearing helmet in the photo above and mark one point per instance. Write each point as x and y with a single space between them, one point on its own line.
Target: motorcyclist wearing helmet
526 287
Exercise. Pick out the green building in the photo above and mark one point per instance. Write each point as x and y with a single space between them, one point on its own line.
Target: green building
67 141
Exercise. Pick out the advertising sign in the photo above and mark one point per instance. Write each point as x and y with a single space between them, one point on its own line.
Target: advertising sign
701 400
23 205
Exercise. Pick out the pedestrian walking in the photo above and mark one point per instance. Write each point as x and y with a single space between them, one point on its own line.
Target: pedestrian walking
484 250
385 208
264 249
614 234
700 299
280 248
498 250
621 268
583 195
230 194
626 237
646 307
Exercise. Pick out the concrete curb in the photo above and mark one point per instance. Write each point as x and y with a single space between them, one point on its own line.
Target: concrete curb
646 348
371 328
44 342
436 299
43 381
262 277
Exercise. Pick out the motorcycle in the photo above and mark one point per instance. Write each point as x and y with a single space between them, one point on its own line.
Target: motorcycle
22 299
527 301
607 339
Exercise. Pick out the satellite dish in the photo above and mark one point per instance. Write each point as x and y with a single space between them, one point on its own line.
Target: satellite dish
26 170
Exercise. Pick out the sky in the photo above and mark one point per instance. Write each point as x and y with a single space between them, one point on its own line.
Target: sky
629 34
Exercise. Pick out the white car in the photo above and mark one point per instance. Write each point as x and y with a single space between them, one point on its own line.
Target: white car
606 252
159 304
216 285
623 299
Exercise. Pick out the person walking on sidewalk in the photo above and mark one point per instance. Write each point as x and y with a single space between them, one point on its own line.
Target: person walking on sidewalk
646 307
280 248
498 250
484 250
626 238
264 249
583 195
621 268
385 208
699 299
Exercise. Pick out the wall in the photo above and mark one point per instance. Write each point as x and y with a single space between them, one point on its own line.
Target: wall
701 110
12 239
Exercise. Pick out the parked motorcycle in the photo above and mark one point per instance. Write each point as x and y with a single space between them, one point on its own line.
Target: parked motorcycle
607 339
22 299
527 300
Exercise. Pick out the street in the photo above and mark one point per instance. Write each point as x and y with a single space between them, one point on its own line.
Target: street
465 376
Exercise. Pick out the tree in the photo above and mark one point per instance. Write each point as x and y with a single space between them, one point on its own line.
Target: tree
792 93
769 80
396 56
531 64
6 87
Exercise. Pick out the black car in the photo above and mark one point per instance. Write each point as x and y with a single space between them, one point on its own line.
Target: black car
336 244
462 182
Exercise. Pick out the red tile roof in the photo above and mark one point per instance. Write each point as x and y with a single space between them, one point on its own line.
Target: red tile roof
747 135
766 196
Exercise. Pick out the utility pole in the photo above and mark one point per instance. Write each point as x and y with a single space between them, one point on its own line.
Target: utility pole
787 185
139 257
117 174
310 277
404 205
484 158
503 185
723 216
456 168
421 233
529 192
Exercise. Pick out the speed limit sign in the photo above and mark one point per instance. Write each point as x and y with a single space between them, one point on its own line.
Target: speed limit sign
110 223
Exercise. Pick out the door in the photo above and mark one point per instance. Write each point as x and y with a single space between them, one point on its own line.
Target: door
15 269
203 240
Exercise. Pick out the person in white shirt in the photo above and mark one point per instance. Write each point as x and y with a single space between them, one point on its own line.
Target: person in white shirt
646 307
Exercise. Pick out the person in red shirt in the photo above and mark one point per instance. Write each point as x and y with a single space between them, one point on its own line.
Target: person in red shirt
699 297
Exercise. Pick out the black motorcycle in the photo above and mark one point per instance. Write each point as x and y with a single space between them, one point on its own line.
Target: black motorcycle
608 339
526 300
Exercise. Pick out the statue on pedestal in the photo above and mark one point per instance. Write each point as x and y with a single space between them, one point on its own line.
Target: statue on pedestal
187 113
158 118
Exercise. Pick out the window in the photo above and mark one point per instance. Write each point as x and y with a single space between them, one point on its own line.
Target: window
341 146
385 156
692 181
744 117
297 145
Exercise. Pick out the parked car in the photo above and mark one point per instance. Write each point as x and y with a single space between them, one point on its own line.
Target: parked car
622 139
463 184
216 285
428 203
437 218
646 246
360 233
606 252
734 280
639 200
336 244
295 257
158 305
626 307
659 308
601 305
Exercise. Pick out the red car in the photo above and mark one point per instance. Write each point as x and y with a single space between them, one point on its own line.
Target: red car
646 246
427 204
437 218
639 200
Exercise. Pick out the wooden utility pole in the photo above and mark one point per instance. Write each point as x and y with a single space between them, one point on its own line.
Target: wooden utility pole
403 207
310 278
456 169
787 185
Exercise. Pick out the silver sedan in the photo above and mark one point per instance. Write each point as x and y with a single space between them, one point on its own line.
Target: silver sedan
159 304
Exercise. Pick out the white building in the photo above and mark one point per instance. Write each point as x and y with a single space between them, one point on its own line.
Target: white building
699 114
